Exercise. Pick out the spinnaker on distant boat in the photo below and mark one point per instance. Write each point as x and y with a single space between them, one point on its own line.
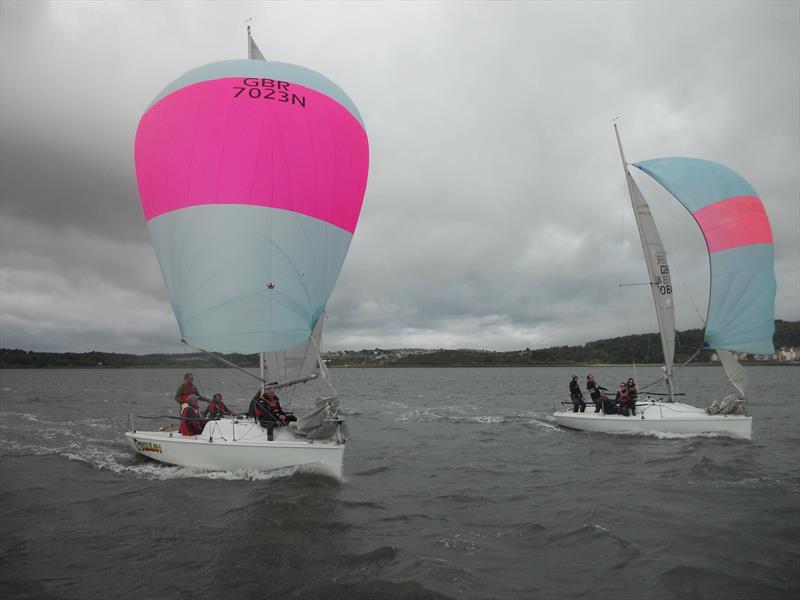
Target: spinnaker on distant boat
251 176
741 305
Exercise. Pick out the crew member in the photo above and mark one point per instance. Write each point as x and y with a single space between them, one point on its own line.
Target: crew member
216 408
191 423
576 395
623 399
186 389
633 393
595 391
269 413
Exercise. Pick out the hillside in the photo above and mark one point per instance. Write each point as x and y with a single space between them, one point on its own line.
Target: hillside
643 348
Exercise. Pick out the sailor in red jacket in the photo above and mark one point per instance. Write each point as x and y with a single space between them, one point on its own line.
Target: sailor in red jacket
191 423
186 389
216 408
269 413
623 399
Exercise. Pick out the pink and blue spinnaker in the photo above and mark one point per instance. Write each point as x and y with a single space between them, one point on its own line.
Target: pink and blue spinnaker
251 176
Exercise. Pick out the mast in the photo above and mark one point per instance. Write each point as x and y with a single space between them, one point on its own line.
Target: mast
657 268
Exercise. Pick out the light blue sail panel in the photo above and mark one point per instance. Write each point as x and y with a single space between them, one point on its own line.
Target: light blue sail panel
247 278
263 68
743 300
741 306
695 182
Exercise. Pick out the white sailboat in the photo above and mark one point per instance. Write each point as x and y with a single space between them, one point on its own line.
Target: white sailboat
741 301
251 176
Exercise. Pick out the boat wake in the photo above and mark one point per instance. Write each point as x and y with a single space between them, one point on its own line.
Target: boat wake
106 457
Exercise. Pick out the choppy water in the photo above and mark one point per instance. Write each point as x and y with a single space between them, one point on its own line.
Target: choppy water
457 485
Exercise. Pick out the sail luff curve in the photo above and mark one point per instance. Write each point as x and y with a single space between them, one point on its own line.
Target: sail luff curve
731 216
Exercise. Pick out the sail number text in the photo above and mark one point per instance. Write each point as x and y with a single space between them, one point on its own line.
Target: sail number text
258 88
663 281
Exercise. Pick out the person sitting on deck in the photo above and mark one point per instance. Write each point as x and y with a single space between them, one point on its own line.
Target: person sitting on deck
633 393
191 423
576 395
216 408
251 410
610 406
595 391
268 412
623 399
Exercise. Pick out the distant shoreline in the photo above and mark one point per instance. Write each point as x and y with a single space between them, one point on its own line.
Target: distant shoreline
752 363
639 349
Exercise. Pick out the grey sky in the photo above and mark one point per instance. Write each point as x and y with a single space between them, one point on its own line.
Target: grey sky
496 213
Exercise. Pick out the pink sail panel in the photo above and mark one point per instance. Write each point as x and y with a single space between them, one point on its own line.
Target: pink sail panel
215 143
734 222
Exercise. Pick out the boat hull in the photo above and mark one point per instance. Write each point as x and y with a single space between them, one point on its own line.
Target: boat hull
659 417
239 444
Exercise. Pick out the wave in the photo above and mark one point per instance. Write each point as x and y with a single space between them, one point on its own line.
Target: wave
371 589
429 414
370 472
695 582
597 541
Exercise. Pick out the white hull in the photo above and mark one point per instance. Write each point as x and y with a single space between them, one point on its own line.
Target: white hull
659 417
239 444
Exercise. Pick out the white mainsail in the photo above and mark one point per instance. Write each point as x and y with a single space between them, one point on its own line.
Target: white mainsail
295 364
657 268
253 52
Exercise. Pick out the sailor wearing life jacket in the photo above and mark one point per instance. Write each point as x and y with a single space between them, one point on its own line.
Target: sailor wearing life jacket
633 393
623 399
186 389
191 423
269 413
216 408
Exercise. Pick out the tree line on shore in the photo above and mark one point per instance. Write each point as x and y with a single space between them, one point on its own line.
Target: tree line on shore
641 348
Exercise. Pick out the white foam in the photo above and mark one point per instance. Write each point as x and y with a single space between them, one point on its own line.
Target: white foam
487 419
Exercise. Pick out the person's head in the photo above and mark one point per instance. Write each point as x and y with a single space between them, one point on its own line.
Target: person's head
193 401
590 376
630 381
574 378
623 384
216 398
188 377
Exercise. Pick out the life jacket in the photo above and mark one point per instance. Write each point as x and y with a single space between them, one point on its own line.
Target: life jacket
188 425
186 393
216 409
623 396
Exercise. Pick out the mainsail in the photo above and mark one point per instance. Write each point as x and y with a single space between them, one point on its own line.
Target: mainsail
657 268
253 51
741 305
251 175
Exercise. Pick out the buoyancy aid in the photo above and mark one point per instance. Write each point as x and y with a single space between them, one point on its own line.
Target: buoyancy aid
623 396
188 391
190 423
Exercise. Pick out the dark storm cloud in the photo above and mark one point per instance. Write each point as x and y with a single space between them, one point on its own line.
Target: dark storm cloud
496 213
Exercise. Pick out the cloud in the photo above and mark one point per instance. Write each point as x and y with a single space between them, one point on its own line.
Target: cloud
496 213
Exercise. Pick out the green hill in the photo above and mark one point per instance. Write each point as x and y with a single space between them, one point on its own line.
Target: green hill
642 349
